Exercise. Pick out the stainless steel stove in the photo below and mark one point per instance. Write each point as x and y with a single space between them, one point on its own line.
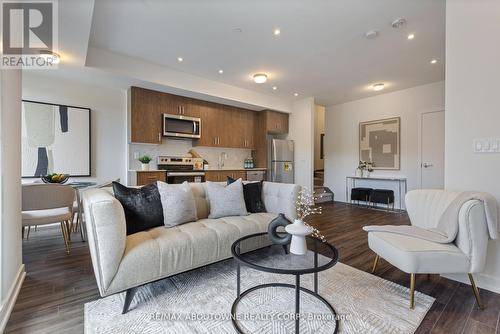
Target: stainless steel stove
180 169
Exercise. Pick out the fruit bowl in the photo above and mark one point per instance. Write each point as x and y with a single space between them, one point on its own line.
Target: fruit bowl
55 178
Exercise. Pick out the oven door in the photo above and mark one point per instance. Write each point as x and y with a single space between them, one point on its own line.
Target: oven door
179 177
181 126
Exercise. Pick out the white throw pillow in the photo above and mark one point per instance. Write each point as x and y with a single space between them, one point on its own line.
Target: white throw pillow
178 203
226 200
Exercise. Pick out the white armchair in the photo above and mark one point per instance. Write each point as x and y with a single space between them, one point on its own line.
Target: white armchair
466 254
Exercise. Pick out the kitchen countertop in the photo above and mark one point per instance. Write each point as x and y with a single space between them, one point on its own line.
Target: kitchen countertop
242 169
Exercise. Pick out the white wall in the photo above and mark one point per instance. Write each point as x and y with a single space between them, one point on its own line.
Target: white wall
341 132
12 269
301 131
108 115
319 128
473 106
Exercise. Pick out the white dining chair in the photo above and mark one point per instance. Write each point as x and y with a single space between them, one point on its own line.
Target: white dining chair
44 204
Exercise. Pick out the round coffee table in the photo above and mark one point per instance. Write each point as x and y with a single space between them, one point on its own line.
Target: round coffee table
247 251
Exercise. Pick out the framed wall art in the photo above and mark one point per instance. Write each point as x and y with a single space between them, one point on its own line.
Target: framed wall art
379 143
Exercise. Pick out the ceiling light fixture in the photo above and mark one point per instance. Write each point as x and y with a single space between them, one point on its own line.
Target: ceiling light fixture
274 87
434 61
378 86
221 71
50 56
411 36
180 59
260 78
398 23
277 31
371 34
295 94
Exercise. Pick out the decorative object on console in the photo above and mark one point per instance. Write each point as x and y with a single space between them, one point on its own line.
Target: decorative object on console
142 206
364 169
226 200
252 193
299 229
51 133
379 142
274 236
145 160
55 178
178 203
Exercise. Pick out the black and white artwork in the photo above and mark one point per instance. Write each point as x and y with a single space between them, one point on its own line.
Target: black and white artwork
379 143
55 139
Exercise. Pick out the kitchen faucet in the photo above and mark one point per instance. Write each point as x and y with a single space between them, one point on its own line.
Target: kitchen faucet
222 158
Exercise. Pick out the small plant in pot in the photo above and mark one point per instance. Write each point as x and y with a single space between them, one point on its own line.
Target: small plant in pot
145 160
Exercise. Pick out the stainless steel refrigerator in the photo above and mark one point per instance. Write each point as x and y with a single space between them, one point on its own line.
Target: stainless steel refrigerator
281 161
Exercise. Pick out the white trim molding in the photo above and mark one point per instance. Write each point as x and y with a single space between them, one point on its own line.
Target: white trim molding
11 297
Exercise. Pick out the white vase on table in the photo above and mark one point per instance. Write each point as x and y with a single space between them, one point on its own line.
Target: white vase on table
298 230
144 167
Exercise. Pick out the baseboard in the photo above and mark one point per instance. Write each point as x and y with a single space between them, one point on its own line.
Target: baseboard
483 281
10 299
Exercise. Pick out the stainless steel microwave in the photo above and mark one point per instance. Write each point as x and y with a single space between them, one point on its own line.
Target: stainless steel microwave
181 126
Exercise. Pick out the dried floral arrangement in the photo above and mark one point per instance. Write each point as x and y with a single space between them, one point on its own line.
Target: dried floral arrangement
305 207
366 165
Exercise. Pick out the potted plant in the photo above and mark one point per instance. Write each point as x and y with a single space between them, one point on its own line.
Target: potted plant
145 160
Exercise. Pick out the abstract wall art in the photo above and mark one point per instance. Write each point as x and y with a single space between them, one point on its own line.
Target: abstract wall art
379 143
55 138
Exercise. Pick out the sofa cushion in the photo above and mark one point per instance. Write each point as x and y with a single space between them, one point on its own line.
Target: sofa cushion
142 206
226 200
178 203
252 193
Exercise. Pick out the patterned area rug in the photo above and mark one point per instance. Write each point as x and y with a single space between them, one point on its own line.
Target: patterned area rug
200 301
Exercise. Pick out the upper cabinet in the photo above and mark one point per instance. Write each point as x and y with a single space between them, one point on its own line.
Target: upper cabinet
146 116
276 122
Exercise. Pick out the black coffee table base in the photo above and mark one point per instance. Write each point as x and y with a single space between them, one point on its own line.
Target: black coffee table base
297 288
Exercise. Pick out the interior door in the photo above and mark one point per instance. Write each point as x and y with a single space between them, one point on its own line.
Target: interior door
432 150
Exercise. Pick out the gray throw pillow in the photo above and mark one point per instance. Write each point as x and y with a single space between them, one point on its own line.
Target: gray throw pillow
178 203
226 200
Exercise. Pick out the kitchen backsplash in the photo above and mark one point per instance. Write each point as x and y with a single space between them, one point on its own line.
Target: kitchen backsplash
235 157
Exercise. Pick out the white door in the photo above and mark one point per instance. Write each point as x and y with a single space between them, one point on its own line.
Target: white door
432 150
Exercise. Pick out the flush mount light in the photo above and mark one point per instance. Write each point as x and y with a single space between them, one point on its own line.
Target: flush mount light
398 23
221 71
180 59
411 36
50 56
295 94
274 87
434 61
371 34
260 78
277 31
378 86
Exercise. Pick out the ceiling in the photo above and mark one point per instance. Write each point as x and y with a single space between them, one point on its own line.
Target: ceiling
321 51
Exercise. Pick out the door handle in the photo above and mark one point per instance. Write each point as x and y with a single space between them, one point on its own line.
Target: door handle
427 165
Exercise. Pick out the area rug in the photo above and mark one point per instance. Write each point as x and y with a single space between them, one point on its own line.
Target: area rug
200 301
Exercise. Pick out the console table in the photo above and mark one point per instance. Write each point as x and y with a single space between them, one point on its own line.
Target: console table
402 186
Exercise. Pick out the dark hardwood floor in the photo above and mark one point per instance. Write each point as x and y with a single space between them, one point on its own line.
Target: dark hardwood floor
57 286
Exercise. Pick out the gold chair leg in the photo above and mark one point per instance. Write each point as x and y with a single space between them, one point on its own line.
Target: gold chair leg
69 228
412 291
375 263
476 292
64 230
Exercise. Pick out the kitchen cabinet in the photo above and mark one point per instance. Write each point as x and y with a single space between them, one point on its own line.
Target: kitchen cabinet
221 175
148 177
146 116
276 122
213 133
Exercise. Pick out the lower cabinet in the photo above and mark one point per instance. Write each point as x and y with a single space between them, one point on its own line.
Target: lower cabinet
148 177
221 175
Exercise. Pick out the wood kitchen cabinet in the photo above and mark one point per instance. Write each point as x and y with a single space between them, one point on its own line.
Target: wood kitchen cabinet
276 122
146 116
148 177
221 175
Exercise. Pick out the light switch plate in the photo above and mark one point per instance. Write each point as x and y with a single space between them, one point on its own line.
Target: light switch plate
486 145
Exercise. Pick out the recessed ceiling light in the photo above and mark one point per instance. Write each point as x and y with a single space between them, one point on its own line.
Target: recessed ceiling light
50 56
378 86
221 71
295 94
260 78
434 61
274 87
371 34
277 31
180 59
411 36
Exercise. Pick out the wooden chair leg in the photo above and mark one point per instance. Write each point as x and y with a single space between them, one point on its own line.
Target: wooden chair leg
412 291
375 263
476 292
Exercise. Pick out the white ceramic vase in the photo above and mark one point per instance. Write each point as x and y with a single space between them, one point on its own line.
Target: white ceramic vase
145 167
298 230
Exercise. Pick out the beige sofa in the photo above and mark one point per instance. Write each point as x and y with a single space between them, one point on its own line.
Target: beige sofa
124 262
